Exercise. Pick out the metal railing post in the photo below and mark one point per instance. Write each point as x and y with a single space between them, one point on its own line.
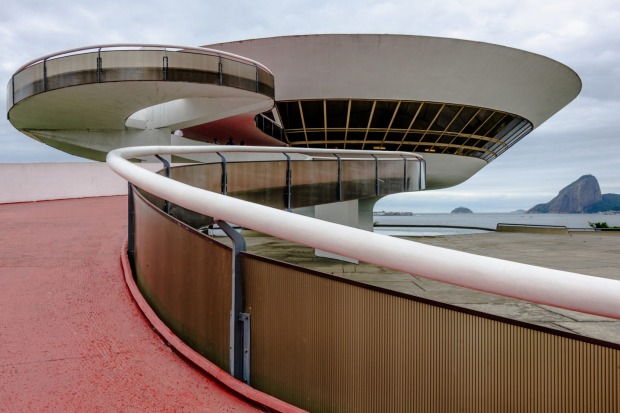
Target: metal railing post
12 93
99 64
219 70
257 88
236 354
131 228
376 175
405 174
45 86
224 174
167 167
165 66
339 187
288 182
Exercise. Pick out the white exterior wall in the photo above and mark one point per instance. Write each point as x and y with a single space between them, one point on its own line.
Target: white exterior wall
26 182
398 67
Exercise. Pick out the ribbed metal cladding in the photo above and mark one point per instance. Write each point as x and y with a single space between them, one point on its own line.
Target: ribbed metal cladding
329 345
313 182
186 278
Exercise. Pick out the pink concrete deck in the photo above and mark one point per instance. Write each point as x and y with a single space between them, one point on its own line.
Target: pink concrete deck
71 337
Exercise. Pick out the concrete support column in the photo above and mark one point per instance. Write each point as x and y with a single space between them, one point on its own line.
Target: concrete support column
305 211
365 209
345 213
356 214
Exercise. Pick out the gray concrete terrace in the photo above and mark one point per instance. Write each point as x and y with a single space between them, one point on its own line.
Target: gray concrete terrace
590 253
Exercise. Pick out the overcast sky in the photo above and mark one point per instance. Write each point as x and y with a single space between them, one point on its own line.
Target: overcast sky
581 139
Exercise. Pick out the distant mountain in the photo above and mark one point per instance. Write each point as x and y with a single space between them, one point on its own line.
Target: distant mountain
609 202
583 195
462 210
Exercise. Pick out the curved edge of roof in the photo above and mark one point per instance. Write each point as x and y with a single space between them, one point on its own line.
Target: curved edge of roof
437 69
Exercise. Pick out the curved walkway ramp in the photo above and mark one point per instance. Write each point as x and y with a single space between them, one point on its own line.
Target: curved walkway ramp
309 339
71 336
324 343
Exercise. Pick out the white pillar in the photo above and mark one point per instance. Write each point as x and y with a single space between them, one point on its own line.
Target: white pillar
365 218
345 213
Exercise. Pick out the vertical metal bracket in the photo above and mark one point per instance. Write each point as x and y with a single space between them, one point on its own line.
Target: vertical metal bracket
45 85
167 167
165 66
288 183
257 88
405 175
131 228
423 174
220 72
237 305
339 187
12 93
245 319
376 175
224 175
99 65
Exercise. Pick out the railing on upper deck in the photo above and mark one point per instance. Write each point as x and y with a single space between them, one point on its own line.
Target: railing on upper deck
269 127
135 62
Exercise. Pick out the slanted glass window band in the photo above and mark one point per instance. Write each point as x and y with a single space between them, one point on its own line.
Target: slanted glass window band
393 125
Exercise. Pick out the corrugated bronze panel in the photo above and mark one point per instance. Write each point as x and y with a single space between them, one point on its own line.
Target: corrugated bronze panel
204 176
392 175
251 176
313 182
186 277
332 346
358 178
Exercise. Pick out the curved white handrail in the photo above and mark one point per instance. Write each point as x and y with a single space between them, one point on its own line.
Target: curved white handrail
563 289
132 46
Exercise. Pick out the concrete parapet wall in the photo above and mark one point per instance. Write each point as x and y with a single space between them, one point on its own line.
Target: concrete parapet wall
532 229
26 182
597 232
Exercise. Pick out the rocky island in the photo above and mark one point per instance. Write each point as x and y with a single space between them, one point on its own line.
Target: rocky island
582 196
462 210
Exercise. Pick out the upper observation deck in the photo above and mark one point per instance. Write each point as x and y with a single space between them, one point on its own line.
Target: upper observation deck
132 87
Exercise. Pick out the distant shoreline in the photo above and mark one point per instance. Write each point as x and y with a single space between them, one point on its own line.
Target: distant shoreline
489 221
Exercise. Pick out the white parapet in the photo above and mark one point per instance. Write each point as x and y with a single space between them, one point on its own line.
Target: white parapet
27 182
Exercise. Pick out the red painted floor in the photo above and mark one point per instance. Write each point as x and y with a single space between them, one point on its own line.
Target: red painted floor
71 337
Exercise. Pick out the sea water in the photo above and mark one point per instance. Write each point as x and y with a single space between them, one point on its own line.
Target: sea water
433 224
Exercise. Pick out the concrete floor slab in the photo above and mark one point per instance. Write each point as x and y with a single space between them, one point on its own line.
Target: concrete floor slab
71 336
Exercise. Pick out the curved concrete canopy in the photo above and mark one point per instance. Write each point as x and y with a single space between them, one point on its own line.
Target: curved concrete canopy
400 67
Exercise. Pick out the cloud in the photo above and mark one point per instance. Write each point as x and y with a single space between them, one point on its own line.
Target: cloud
18 148
580 139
